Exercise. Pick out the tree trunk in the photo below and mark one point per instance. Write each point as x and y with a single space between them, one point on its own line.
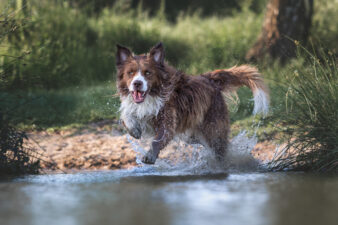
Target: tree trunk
286 23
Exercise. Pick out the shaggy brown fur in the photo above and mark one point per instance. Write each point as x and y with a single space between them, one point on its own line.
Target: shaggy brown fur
176 104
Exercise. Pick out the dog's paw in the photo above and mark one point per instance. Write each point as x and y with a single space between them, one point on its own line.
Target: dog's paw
149 158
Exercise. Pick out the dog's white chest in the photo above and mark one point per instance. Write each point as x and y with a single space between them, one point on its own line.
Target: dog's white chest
140 115
149 108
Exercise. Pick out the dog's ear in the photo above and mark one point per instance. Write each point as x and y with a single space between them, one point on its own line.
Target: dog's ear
157 53
122 54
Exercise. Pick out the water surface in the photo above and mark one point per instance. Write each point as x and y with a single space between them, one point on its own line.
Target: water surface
147 196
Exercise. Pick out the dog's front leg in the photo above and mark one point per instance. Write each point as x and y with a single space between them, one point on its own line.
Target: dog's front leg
164 134
163 137
132 127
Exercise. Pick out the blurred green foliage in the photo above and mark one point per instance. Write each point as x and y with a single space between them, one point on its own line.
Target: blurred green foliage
59 45
59 56
172 9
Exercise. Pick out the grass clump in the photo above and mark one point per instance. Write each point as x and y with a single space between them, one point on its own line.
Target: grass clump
311 117
15 159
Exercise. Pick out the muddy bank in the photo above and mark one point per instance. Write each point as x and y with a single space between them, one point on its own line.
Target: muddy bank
100 146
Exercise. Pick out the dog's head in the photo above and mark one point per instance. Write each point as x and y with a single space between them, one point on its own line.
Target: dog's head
140 75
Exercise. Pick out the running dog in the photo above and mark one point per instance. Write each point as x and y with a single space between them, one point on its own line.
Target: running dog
159 101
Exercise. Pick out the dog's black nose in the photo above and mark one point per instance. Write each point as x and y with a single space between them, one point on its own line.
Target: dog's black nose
137 84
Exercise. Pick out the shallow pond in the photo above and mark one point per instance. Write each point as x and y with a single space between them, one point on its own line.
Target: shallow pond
148 196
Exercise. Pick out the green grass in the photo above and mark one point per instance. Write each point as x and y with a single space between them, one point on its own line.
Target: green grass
74 106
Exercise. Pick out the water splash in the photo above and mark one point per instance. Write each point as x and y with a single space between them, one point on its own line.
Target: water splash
138 148
239 157
181 158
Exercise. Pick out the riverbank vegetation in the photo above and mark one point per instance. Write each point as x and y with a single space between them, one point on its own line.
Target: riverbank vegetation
15 158
311 117
57 64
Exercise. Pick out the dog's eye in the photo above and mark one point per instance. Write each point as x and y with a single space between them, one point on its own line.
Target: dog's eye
147 73
130 72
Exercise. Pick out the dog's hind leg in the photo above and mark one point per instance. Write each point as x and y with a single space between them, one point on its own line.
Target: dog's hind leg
216 126
219 146
215 138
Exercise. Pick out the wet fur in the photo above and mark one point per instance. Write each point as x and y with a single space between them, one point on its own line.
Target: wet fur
182 105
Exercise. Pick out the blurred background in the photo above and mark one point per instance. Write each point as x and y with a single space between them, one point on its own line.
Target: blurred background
48 46
57 57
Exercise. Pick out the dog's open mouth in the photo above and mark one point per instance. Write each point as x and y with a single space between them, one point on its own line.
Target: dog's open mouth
139 96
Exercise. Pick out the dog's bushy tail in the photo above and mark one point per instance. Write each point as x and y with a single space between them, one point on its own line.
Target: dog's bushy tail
230 79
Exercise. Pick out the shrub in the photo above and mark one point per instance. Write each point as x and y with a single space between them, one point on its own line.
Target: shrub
311 117
14 157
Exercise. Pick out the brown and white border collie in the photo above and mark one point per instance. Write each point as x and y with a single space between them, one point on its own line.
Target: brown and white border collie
159 101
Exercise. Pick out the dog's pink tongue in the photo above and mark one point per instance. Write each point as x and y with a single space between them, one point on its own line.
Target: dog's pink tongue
138 96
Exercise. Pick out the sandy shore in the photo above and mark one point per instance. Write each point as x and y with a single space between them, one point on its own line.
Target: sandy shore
100 146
